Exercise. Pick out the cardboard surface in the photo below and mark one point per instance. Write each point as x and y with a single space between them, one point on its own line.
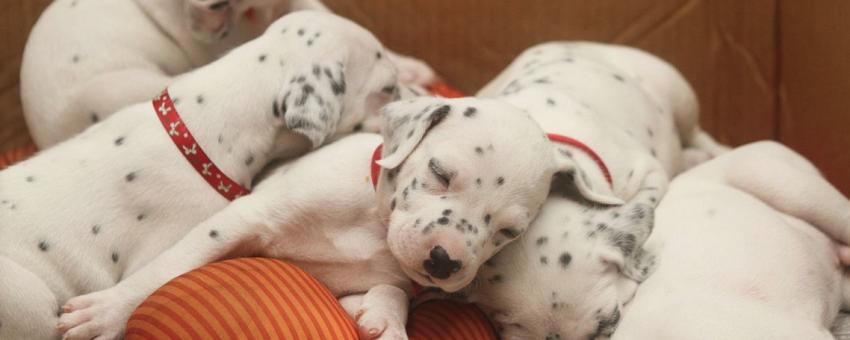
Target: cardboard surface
738 55
815 84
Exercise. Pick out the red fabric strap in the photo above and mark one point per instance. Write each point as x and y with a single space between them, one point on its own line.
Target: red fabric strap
583 147
176 129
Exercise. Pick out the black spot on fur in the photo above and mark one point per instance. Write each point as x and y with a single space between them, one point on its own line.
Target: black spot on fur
619 77
30 179
392 204
358 127
43 246
487 219
389 89
119 141
95 229
565 260
544 260
213 233
300 31
115 257
249 160
378 55
447 212
75 59
94 117
478 182
199 99
470 112
140 217
542 240
500 181
479 150
550 102
262 58
130 177
443 220
495 279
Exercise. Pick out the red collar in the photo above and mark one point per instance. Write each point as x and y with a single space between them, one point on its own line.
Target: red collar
583 147
190 149
376 169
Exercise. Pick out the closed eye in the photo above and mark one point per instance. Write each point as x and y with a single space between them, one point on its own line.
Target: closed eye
443 175
510 233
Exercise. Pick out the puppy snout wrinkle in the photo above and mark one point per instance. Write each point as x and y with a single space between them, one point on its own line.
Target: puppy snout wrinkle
440 265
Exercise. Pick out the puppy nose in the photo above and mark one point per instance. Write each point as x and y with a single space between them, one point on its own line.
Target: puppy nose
440 265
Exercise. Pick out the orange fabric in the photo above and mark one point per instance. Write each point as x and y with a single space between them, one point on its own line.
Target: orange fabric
13 156
260 298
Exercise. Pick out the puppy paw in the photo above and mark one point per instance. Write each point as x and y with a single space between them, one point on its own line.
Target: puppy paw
381 324
101 315
413 71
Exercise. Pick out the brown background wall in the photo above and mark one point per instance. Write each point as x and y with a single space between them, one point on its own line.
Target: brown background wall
762 68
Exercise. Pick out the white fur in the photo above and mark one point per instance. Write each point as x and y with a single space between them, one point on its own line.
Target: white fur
636 111
86 59
738 255
81 216
734 252
321 213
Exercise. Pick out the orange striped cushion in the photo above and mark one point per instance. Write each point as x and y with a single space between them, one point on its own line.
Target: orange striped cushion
259 298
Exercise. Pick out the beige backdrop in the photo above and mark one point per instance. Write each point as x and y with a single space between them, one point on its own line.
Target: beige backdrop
762 68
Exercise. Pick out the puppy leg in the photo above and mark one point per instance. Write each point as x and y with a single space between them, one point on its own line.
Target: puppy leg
382 313
789 183
239 229
412 71
100 98
28 309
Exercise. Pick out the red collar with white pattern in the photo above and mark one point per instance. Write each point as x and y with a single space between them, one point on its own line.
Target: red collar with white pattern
190 149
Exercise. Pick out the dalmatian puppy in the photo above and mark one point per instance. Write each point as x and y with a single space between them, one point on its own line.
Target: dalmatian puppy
458 176
82 216
86 59
735 254
636 111
777 274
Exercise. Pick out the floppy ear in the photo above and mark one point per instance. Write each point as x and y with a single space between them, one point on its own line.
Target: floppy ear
405 124
592 188
310 102
628 232
209 20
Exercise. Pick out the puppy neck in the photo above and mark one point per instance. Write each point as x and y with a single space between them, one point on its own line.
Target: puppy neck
228 107
171 18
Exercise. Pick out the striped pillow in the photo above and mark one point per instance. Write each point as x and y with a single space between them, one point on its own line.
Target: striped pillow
260 298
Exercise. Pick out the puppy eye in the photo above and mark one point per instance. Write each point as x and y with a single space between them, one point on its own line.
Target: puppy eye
443 175
510 233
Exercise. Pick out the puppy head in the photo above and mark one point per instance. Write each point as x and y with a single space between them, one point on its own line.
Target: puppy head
570 275
461 179
213 20
336 74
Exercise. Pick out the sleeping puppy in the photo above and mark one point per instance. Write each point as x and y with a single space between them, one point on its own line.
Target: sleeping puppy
630 112
79 217
86 59
735 254
636 112
458 177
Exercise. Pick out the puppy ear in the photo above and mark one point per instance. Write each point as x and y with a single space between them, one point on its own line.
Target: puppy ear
592 188
630 226
405 124
209 20
311 101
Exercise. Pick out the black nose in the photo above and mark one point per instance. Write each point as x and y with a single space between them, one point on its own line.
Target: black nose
440 265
